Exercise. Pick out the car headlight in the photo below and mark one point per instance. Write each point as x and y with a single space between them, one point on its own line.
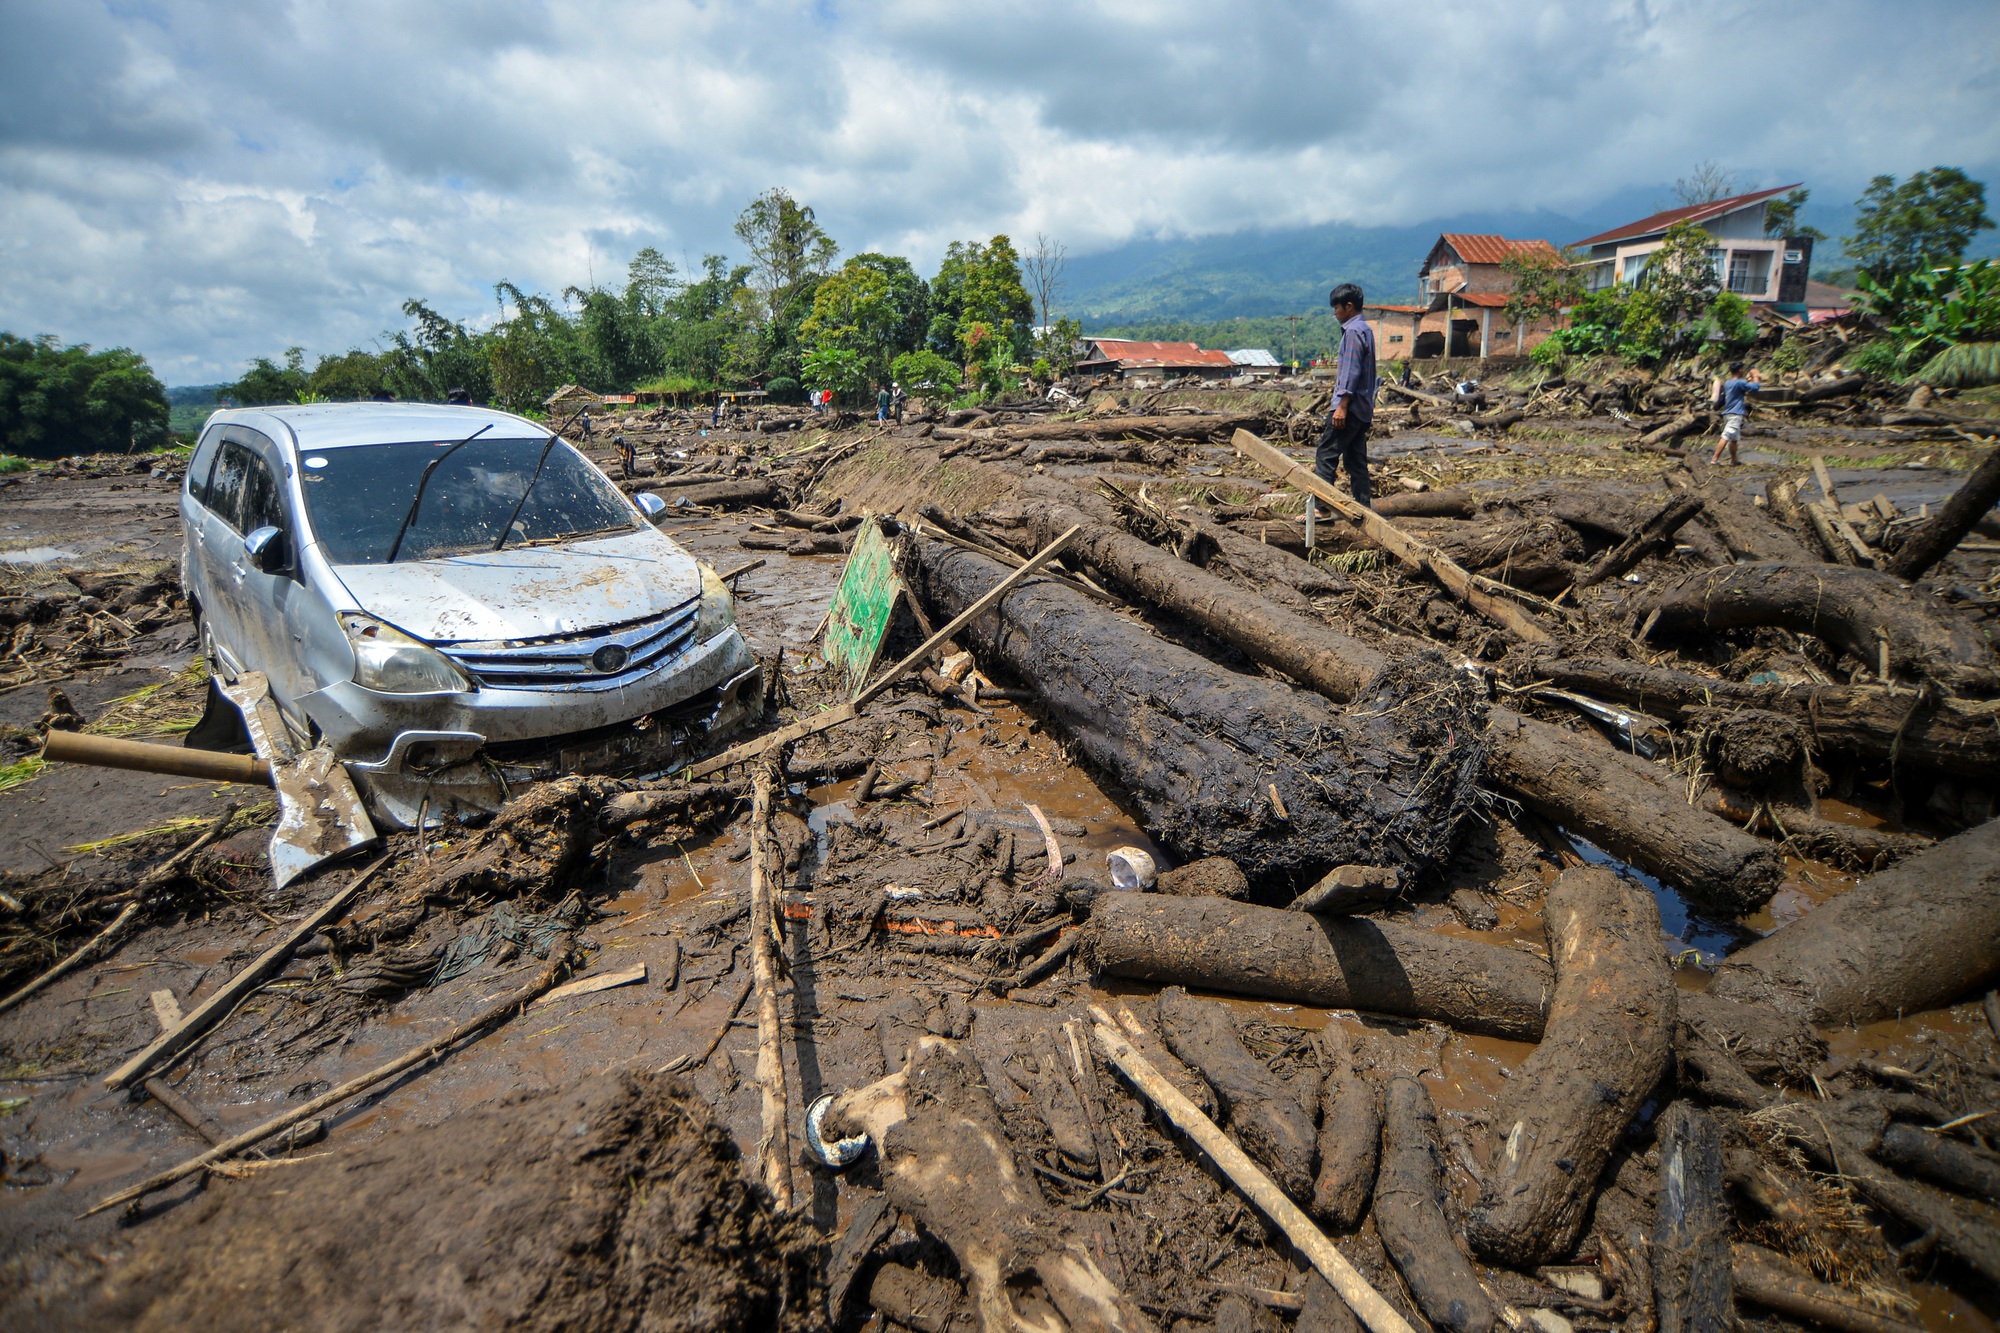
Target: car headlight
718 607
389 660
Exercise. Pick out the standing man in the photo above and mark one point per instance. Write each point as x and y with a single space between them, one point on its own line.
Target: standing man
896 400
1734 393
1345 440
881 404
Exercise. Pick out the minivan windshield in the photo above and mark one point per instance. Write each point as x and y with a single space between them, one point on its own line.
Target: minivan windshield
357 497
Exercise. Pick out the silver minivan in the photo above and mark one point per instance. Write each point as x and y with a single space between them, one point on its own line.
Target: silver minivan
452 599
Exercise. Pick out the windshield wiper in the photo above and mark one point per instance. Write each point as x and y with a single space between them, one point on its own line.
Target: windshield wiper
424 481
529 488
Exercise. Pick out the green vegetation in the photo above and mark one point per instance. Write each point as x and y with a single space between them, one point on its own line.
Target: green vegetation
1927 313
1927 221
785 319
57 400
1676 308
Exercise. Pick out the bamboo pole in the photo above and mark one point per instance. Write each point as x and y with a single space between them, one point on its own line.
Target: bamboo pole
70 747
558 964
1364 1300
1417 555
774 1147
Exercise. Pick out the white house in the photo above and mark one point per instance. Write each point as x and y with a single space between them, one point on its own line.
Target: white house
1769 270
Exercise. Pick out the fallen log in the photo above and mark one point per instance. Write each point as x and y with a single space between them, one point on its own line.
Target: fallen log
1448 502
1691 1265
1922 934
1186 1082
1940 1160
1538 554
1350 1137
1201 749
1855 611
1937 536
1849 846
774 1144
1272 1127
1364 1300
1687 423
1335 664
1604 1047
728 494
1763 1278
1656 537
1616 801
1180 427
1921 729
1411 1220
1745 531
947 1162
1417 555
1384 966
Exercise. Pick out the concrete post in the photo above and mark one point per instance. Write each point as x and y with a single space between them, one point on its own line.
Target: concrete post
1485 329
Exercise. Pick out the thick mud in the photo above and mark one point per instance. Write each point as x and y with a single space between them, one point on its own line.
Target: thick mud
901 917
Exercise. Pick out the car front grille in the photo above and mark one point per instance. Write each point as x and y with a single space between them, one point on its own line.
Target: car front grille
598 658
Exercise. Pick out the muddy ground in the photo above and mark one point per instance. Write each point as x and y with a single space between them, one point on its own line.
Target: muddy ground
902 917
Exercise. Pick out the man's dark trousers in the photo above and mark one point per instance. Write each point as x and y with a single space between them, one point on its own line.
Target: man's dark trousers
1346 445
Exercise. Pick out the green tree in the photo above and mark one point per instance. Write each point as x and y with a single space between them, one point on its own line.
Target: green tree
266 382
980 285
837 369
1925 222
787 246
926 374
1679 286
650 281
1781 216
704 319
57 400
436 356
875 306
1544 284
354 377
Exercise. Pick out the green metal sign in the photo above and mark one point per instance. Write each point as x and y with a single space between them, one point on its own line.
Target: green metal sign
862 605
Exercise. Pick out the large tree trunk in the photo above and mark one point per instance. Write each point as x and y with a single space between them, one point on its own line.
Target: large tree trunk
1851 610
1746 532
1920 935
1617 802
1691 1274
1336 962
1921 729
1654 536
1411 1219
1606 1044
1940 534
1350 1138
1335 664
1202 749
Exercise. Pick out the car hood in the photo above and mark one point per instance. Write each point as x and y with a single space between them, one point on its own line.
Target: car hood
531 593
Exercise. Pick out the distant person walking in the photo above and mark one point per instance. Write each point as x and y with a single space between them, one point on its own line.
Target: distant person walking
715 417
896 400
1733 394
881 404
1345 440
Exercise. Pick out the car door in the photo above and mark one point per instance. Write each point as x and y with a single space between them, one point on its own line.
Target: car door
219 553
281 615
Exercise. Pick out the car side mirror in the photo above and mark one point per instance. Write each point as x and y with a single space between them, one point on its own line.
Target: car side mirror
269 549
651 505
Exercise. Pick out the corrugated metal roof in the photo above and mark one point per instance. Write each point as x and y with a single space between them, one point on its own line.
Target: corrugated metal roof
1696 213
1493 249
1252 356
1164 356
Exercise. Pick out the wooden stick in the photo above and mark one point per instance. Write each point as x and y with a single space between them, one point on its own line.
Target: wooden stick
170 867
685 1064
965 617
558 964
211 1011
774 1148
1364 1300
94 946
1417 555
833 717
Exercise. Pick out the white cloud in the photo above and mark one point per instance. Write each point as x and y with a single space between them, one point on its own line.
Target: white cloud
208 180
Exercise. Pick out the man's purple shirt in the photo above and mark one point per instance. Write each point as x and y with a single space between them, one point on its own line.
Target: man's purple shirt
1356 376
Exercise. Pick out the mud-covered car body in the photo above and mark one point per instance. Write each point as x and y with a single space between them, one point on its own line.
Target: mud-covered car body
447 595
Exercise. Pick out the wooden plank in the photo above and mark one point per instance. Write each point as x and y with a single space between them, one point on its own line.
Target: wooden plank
1415 554
212 1010
750 749
1825 482
591 985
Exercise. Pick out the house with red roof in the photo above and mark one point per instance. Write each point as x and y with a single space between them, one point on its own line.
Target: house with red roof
1464 310
1127 357
1766 270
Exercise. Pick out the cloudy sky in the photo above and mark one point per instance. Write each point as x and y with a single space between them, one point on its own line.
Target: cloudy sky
204 180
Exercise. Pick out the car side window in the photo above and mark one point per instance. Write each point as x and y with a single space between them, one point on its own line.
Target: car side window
202 466
262 506
225 490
